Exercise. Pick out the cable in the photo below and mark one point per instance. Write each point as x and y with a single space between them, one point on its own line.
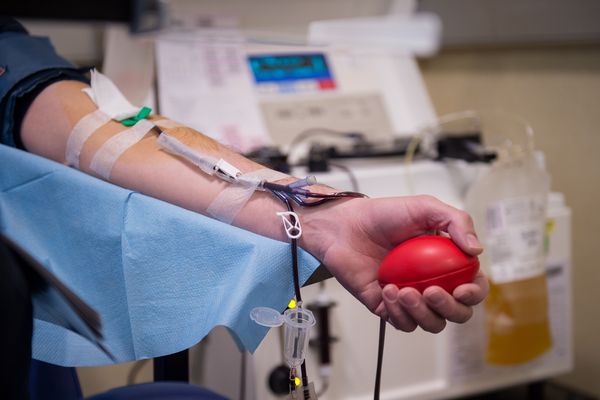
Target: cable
351 176
305 134
294 256
304 380
433 130
322 131
408 159
379 359
296 274
324 387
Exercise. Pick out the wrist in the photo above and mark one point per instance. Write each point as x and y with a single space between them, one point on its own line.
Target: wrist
320 226
317 222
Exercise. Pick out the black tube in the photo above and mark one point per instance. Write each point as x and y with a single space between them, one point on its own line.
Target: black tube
379 359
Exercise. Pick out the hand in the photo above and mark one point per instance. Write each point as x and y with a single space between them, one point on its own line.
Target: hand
354 236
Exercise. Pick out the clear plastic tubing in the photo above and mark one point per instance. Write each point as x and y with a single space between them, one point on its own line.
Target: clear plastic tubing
307 181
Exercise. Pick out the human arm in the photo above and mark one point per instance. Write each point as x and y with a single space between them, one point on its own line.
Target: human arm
350 237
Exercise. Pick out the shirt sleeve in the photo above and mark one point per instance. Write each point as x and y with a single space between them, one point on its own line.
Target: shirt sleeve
28 64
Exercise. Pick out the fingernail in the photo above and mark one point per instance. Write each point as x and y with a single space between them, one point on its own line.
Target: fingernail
410 299
436 297
473 242
390 294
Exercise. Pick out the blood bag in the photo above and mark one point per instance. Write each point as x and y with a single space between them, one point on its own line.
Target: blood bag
508 205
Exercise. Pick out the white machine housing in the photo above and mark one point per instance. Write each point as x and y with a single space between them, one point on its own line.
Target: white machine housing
210 82
417 365
248 95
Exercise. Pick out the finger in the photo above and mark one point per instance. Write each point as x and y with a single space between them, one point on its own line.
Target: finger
462 231
447 306
471 294
395 314
457 223
414 303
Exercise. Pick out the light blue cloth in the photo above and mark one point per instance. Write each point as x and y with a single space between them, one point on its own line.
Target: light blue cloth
160 276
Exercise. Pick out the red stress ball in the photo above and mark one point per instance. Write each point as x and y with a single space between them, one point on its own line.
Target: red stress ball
428 261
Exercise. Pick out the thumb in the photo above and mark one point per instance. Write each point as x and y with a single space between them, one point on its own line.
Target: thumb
458 224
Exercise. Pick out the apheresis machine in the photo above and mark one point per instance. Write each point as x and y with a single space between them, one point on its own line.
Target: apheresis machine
333 89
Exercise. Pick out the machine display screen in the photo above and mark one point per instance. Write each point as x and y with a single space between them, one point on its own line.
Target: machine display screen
291 72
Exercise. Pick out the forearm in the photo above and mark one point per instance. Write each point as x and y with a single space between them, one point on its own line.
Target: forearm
145 167
351 237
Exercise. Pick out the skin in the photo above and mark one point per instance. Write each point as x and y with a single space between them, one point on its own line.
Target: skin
350 237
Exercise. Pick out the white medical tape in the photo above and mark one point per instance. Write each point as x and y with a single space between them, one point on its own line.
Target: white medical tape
232 199
167 123
107 155
81 132
107 96
226 206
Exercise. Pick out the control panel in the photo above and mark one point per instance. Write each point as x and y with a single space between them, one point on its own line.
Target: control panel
248 95
364 113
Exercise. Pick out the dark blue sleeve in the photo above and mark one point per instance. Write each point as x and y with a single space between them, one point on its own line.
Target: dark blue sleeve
27 65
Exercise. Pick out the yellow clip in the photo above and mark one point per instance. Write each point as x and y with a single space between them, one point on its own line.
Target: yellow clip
297 381
292 303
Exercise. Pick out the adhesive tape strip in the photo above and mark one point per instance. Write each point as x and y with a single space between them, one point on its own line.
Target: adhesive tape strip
109 98
81 132
226 206
108 154
167 123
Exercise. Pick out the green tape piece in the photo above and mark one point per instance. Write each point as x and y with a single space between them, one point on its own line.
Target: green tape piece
143 114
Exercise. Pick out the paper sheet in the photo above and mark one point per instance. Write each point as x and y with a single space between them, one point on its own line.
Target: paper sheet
161 277
202 79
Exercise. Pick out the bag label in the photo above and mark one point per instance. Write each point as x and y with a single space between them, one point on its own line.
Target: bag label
515 238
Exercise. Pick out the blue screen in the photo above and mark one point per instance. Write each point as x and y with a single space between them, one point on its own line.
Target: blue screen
289 67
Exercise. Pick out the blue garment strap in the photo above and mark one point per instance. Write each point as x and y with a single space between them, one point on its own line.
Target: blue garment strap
23 55
160 276
26 62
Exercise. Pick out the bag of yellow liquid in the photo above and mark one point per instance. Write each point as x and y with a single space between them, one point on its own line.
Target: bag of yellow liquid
508 205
